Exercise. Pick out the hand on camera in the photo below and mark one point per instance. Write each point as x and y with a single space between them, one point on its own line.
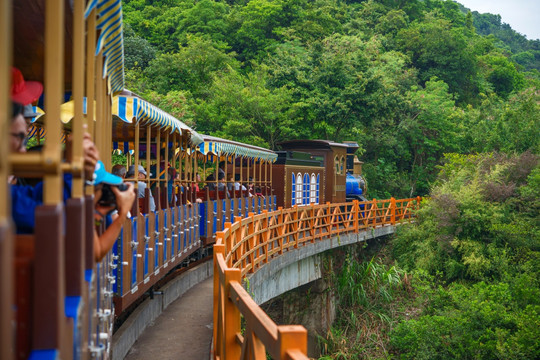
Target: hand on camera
90 156
124 199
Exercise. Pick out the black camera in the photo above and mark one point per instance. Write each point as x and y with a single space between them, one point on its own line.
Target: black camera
107 195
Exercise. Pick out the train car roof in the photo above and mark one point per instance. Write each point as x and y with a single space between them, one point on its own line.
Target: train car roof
298 158
29 40
219 146
310 144
127 107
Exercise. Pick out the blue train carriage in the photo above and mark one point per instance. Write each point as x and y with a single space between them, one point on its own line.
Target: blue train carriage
56 301
236 179
160 153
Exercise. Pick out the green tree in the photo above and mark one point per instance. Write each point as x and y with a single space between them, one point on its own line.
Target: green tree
137 51
503 75
428 130
245 109
191 69
438 49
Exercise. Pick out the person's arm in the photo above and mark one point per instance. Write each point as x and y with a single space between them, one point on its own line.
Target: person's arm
104 243
23 204
152 202
124 201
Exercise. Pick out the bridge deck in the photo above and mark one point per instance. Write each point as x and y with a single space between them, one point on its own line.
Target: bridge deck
182 331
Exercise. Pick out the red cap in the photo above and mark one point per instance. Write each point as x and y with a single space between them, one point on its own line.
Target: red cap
24 92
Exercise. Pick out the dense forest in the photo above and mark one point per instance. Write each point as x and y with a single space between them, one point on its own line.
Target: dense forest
408 80
444 103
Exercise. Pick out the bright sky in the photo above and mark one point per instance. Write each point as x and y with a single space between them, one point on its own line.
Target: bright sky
522 15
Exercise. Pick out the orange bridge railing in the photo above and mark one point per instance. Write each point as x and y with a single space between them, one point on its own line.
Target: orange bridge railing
248 243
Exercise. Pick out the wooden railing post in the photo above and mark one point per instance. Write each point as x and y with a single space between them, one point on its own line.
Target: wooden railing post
355 215
265 237
312 222
329 218
219 248
229 240
281 230
296 226
251 241
374 212
231 324
291 337
393 211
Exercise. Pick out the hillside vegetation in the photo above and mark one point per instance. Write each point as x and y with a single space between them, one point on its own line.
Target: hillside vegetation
408 80
462 282
444 103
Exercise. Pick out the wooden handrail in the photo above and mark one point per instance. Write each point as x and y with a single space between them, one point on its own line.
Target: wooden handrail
243 246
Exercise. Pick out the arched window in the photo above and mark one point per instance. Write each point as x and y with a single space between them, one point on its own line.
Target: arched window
318 183
336 164
293 192
313 189
305 194
299 189
342 166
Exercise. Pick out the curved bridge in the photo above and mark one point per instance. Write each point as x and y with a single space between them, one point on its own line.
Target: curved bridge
286 238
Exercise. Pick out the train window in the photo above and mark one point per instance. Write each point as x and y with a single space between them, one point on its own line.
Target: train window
305 194
313 190
318 183
293 193
299 189
342 165
336 164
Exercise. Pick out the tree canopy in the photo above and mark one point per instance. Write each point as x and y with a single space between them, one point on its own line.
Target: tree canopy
407 80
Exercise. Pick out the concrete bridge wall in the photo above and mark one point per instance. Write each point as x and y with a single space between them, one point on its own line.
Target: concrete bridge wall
301 266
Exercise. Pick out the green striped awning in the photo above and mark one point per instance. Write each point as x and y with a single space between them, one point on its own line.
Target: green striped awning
111 40
128 108
218 146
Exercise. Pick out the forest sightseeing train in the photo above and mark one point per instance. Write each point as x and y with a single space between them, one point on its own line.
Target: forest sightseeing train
56 300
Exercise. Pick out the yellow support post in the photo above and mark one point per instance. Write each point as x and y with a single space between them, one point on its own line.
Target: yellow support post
78 93
54 89
90 72
148 150
6 237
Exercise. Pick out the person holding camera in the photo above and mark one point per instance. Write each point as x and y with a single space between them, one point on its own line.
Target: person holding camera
110 194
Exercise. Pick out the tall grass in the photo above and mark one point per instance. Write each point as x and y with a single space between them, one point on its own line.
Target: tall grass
370 298
367 283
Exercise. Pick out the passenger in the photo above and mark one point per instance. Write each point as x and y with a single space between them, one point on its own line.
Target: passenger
210 182
25 198
196 181
105 204
221 168
221 184
142 185
171 174
250 187
230 182
119 170
237 185
29 113
24 92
